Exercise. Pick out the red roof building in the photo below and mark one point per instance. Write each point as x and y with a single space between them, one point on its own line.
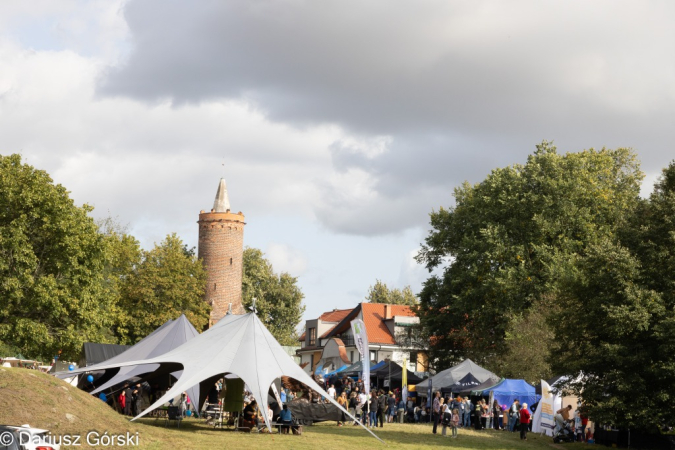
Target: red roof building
328 340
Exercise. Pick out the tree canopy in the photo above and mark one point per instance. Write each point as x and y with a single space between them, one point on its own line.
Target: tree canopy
615 327
278 297
51 266
381 293
160 285
501 242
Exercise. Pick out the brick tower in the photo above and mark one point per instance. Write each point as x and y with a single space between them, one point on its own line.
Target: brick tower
221 247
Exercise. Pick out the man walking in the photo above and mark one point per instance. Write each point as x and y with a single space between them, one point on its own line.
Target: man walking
436 410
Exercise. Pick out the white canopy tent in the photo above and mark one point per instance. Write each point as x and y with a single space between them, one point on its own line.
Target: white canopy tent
168 336
238 345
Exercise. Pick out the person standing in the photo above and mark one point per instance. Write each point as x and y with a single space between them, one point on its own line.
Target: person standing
391 407
446 418
436 410
466 421
342 401
331 392
382 408
401 410
497 414
524 421
353 403
373 409
513 414
455 422
122 402
129 393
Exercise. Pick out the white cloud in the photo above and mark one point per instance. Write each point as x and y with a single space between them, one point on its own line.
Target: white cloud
285 258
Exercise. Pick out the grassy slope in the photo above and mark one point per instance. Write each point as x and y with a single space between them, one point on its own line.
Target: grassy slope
43 401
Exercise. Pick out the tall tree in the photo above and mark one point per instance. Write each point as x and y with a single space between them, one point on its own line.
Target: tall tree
616 331
497 245
167 281
278 297
381 293
51 266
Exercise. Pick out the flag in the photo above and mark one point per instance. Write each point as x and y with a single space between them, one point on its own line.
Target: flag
361 341
543 420
404 390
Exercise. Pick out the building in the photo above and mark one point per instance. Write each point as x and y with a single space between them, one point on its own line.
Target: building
328 340
221 247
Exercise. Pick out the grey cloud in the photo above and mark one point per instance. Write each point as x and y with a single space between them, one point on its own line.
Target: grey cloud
460 87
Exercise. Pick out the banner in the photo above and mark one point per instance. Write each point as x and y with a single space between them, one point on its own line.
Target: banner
404 390
361 342
543 420
430 394
276 395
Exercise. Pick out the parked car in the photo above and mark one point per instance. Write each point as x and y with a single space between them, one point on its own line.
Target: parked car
25 438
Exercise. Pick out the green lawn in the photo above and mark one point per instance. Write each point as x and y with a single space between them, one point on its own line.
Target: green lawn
193 434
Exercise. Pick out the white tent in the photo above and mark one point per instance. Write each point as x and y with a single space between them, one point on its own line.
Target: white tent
170 335
238 345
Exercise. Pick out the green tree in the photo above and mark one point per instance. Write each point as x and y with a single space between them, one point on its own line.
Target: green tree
166 282
278 297
615 328
380 293
498 244
51 266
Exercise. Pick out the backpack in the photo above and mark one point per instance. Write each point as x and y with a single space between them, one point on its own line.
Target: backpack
447 417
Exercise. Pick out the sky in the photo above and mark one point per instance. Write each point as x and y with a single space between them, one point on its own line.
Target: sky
338 125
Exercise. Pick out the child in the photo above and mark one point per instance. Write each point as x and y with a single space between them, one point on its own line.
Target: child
455 422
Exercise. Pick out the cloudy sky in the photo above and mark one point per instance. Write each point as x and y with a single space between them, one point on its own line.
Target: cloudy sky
338 125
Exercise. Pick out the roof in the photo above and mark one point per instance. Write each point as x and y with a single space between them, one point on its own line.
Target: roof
222 202
373 318
450 376
335 315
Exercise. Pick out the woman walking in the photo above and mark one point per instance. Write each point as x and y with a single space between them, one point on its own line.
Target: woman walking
524 421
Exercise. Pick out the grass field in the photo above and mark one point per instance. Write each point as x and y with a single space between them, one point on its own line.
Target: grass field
42 401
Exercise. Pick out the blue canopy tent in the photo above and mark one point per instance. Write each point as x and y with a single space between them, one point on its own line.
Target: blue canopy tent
335 372
509 390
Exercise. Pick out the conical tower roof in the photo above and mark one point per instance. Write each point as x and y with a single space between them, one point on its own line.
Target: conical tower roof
222 203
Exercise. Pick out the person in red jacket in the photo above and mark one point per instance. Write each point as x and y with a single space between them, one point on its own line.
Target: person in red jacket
122 401
524 421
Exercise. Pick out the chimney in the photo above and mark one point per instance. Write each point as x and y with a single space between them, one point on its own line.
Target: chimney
387 312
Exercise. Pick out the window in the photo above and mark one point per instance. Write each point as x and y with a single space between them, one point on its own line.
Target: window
312 336
373 355
413 360
351 355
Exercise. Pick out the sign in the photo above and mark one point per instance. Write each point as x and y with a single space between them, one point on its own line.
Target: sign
544 420
361 342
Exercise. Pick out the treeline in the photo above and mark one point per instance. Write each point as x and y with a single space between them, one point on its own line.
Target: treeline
558 266
66 279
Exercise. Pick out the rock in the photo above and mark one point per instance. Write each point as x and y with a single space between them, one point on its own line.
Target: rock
32 375
71 418
64 388
70 399
53 410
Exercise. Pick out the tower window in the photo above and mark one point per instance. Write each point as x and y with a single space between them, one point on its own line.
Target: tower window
230 261
214 286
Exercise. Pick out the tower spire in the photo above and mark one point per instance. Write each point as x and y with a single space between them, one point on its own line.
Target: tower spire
222 203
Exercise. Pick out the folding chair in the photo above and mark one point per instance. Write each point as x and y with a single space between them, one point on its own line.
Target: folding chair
173 413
